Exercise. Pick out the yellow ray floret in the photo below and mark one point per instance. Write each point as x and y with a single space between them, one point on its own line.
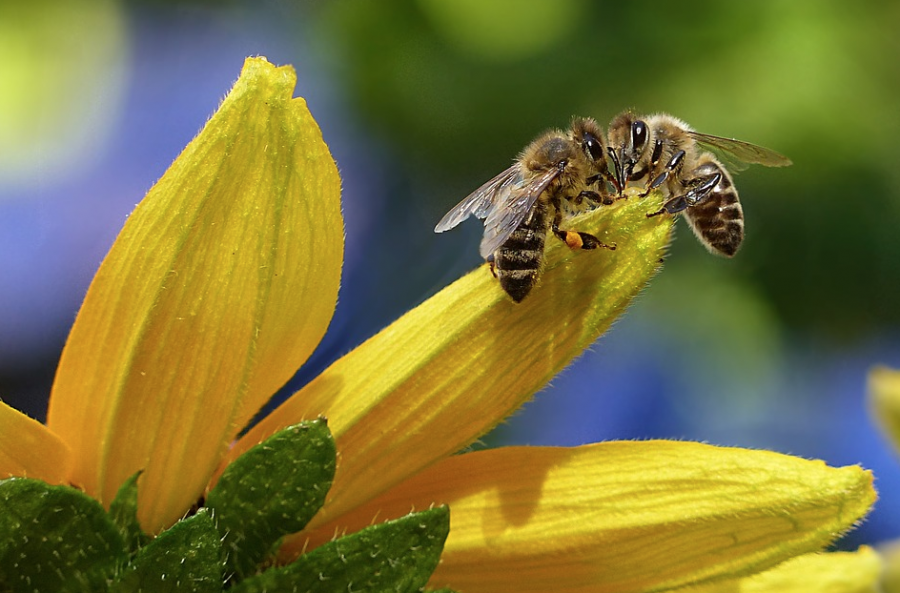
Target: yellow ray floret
620 516
28 449
218 288
837 572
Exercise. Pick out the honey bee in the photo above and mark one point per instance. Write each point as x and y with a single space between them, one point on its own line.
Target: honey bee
556 176
664 152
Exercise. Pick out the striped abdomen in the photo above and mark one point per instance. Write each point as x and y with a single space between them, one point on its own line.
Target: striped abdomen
518 261
717 220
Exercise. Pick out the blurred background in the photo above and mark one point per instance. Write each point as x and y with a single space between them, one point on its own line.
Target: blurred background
423 101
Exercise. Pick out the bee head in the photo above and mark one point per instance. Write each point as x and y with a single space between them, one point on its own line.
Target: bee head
588 135
628 139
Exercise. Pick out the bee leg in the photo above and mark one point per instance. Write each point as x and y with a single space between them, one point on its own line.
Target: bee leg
573 240
607 177
671 167
589 241
660 179
576 239
594 197
694 196
579 240
490 261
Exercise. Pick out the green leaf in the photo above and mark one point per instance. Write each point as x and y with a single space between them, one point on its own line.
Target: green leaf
187 558
123 511
396 556
55 538
272 490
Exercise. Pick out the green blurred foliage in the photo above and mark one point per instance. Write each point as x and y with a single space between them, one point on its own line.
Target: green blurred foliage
461 87
59 57
456 88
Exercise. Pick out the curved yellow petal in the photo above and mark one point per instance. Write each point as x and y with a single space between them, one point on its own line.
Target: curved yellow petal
835 572
220 285
620 516
451 369
29 449
884 402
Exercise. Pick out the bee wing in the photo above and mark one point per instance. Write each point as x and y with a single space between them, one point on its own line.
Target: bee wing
512 208
743 152
480 201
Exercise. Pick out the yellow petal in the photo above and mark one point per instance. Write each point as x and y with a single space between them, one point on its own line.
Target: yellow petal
620 516
837 572
451 369
884 402
220 285
889 553
28 449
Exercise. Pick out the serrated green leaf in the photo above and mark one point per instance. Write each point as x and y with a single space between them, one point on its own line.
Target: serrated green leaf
397 557
187 558
272 490
55 538
123 512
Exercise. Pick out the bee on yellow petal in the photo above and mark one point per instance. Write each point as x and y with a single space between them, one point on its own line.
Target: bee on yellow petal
661 151
558 175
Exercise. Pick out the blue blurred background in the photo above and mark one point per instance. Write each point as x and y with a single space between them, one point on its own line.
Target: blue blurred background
423 101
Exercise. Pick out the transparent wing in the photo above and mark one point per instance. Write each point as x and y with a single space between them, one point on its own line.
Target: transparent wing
740 151
480 201
512 208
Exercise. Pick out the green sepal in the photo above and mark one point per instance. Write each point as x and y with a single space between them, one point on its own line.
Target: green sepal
273 489
55 538
123 512
187 558
396 556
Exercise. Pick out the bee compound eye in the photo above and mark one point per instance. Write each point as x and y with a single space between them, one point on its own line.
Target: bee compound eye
638 134
594 148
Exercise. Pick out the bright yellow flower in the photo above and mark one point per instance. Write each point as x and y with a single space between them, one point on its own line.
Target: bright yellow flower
884 405
224 280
